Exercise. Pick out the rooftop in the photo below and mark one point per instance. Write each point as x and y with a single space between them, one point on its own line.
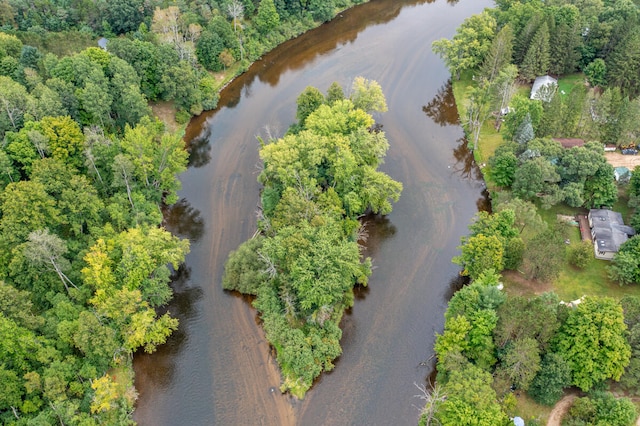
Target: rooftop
609 229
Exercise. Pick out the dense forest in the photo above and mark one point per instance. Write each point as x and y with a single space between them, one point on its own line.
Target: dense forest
304 262
495 344
85 264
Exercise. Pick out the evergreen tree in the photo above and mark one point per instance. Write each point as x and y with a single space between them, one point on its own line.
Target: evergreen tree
536 61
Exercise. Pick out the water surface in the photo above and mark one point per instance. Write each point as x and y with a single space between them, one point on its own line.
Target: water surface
217 368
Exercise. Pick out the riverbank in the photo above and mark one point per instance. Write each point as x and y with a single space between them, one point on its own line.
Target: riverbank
572 283
167 111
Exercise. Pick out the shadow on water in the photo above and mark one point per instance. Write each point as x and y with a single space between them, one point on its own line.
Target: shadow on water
183 307
442 108
199 150
183 220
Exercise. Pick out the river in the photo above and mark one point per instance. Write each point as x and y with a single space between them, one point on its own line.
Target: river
217 368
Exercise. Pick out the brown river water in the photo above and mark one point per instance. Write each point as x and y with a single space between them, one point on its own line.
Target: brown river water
217 369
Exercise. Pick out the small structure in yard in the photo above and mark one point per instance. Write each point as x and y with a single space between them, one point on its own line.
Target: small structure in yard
622 174
549 84
569 142
102 43
608 232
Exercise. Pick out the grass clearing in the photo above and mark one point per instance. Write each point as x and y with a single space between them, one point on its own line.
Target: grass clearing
567 83
530 411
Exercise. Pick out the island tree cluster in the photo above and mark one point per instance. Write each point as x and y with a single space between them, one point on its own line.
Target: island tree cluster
302 266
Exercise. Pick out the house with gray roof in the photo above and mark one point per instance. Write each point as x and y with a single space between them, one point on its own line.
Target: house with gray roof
549 84
608 232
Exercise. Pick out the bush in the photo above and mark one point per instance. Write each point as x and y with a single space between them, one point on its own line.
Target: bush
580 254
244 269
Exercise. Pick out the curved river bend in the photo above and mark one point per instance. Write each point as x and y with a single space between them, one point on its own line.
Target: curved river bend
217 368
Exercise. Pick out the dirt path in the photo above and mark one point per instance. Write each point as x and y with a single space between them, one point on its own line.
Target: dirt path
560 409
618 160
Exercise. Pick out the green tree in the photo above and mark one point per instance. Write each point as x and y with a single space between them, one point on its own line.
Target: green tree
208 48
267 17
308 101
544 255
469 45
480 253
367 95
499 55
592 340
503 168
580 254
596 72
536 61
245 271
554 375
470 399
625 267
14 102
65 139
157 158
624 63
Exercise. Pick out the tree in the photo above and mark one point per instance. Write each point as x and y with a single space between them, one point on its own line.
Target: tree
536 61
48 249
592 341
554 375
65 139
125 16
208 48
246 268
624 63
521 362
469 45
367 95
566 41
157 156
535 178
596 72
521 108
470 399
499 55
480 253
544 255
235 10
308 101
267 17
14 101
503 168
334 93
625 267
580 254
526 215
524 133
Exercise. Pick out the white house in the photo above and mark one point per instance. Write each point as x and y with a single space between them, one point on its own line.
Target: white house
539 83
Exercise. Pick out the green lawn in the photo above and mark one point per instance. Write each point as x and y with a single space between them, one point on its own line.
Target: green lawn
568 82
530 411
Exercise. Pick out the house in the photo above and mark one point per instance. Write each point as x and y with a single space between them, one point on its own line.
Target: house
608 232
539 83
568 142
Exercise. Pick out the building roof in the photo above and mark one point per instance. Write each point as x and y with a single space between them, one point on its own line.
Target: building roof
622 173
569 143
539 82
609 229
102 43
